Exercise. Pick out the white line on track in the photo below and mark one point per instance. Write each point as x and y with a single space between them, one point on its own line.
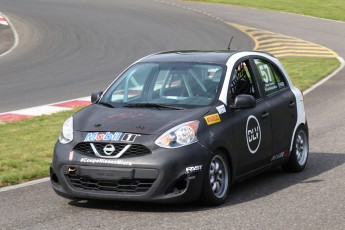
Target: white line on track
335 72
16 37
25 184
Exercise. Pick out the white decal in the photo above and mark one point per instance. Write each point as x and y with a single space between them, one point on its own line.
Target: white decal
129 137
104 161
277 156
265 73
280 155
253 134
221 109
281 85
194 169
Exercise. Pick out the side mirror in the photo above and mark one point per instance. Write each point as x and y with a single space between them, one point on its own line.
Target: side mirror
95 96
243 101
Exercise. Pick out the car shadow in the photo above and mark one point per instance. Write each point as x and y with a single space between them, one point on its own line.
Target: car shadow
254 188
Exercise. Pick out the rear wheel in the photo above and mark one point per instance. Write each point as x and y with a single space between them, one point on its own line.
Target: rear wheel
300 151
217 180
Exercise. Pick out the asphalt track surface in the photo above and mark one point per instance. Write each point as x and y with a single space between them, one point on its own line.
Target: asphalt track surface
68 49
73 43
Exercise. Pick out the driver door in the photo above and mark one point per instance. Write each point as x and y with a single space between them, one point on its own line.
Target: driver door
252 126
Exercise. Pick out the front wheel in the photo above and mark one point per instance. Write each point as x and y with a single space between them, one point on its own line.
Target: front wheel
300 151
216 180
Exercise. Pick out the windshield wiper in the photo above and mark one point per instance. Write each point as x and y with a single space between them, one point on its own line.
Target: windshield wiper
153 105
106 104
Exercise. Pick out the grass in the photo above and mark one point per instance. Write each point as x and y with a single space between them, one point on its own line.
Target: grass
330 9
26 147
305 72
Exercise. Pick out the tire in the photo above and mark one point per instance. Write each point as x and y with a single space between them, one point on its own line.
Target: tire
300 151
216 180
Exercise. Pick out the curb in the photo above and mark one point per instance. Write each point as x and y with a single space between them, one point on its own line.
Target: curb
3 20
43 110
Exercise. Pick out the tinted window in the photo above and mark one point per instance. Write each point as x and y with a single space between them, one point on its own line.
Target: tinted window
271 79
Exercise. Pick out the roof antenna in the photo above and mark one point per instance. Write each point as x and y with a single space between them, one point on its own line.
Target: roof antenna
232 37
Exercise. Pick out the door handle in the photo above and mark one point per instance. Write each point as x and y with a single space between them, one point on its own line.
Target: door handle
265 115
292 104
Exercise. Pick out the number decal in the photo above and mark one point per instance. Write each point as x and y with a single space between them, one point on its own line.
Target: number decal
265 73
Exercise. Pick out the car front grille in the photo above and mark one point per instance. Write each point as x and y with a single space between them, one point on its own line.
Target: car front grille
119 186
134 150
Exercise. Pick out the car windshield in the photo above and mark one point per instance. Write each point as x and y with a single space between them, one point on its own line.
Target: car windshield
177 84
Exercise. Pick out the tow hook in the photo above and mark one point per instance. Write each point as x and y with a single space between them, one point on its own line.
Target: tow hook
72 170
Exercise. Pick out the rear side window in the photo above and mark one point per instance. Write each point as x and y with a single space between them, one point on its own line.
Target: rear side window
271 79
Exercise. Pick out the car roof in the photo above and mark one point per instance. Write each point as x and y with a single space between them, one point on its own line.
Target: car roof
217 57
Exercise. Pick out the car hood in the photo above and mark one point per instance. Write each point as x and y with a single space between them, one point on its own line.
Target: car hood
97 118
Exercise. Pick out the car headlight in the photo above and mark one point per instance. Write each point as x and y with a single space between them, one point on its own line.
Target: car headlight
178 136
66 135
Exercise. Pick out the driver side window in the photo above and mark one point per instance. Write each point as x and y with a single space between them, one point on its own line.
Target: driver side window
242 81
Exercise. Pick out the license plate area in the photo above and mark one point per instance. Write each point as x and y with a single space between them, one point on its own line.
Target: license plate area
99 173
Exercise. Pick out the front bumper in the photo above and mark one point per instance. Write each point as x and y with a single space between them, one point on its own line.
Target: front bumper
165 175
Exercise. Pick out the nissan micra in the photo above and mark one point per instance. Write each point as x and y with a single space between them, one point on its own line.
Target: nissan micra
180 126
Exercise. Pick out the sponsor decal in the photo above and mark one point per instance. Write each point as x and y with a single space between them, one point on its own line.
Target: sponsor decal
108 136
281 85
104 161
280 155
253 134
192 169
70 158
221 109
212 119
129 137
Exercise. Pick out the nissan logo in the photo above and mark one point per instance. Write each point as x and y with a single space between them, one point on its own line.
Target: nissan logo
109 149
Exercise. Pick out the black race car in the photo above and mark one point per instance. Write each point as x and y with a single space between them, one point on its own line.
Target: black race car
179 126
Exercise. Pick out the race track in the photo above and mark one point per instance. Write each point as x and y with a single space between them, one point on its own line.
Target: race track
71 48
68 49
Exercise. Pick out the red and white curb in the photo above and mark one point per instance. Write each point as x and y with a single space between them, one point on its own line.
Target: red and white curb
3 20
43 110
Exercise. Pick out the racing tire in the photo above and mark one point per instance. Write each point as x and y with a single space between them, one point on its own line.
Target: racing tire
300 151
216 180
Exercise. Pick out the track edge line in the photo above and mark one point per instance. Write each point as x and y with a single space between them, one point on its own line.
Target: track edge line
16 36
25 184
321 82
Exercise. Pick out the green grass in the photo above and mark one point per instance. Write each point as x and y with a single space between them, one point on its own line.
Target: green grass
26 147
331 9
305 72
